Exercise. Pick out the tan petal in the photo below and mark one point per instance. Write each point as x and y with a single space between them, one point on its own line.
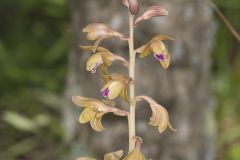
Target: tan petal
160 115
86 115
96 122
152 11
97 30
100 31
114 155
85 158
86 102
90 48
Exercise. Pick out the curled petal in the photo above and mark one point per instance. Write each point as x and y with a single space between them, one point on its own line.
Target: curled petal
96 122
85 158
153 11
114 155
160 117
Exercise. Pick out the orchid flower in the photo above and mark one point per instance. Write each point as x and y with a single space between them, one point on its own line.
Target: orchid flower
99 31
115 85
160 117
136 154
159 50
152 11
94 111
103 58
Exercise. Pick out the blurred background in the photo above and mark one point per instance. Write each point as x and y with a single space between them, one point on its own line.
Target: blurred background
41 67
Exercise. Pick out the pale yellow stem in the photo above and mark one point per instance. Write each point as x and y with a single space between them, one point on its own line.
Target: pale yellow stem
132 55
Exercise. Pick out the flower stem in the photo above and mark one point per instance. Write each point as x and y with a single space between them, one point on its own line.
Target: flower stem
132 55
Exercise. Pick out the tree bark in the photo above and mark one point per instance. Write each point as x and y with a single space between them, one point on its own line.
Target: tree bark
183 89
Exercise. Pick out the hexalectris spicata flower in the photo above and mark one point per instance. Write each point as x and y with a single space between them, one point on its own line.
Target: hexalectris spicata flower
159 50
160 117
115 85
94 110
100 31
152 11
102 58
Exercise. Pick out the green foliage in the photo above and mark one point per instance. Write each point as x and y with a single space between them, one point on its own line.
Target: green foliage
34 46
226 82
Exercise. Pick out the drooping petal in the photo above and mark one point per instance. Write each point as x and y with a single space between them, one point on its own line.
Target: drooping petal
86 115
160 116
114 155
96 122
152 11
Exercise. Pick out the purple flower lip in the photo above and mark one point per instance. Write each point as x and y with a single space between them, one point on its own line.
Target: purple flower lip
159 57
106 92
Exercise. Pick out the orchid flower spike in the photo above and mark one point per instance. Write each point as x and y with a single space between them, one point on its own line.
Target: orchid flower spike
100 31
94 111
160 117
103 58
159 50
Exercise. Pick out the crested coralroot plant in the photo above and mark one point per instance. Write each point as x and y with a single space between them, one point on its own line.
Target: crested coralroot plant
116 85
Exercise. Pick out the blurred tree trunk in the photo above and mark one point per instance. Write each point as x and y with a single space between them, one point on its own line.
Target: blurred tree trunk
183 89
